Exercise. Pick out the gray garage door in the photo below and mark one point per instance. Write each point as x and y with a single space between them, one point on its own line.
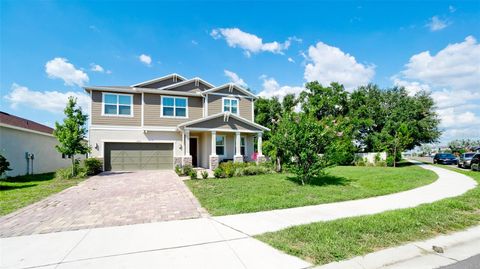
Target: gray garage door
138 156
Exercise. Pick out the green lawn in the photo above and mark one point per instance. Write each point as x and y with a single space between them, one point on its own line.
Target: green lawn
17 192
274 191
325 242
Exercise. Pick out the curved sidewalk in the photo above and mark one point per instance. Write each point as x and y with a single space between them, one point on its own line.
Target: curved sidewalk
448 184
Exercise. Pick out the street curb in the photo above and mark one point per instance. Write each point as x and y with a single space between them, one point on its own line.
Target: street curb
456 247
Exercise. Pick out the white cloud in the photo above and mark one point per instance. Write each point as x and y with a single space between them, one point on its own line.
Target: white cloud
96 68
250 43
271 88
235 78
194 42
61 68
146 59
453 77
290 59
452 9
456 66
329 64
412 87
51 101
436 24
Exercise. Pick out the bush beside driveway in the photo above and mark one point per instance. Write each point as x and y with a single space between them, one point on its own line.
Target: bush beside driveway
275 191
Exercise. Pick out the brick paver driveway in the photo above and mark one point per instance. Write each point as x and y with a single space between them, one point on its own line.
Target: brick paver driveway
108 199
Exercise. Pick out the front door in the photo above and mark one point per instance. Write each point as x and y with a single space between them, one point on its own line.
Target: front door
193 151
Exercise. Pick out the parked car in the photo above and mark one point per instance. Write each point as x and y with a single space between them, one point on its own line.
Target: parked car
464 160
475 162
445 158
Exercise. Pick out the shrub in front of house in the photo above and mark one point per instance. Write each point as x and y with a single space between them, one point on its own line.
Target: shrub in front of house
204 174
66 173
218 173
193 174
390 161
92 166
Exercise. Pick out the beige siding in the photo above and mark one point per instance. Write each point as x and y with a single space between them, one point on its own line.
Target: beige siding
152 111
246 108
215 106
97 117
218 123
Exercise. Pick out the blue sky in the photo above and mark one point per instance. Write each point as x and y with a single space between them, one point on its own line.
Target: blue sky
50 49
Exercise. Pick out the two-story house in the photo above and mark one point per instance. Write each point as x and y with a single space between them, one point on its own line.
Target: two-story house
169 121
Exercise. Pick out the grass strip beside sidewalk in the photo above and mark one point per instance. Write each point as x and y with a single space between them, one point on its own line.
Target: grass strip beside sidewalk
325 242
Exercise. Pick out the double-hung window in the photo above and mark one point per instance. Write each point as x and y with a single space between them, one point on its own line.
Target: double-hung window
230 105
174 107
220 145
117 104
242 146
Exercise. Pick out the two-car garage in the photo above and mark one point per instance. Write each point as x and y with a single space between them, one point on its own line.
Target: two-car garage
138 156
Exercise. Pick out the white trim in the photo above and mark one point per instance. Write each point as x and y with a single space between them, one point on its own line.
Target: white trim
224 145
174 107
233 86
206 106
253 110
185 82
143 108
222 130
24 129
158 79
222 114
230 95
230 98
133 128
118 104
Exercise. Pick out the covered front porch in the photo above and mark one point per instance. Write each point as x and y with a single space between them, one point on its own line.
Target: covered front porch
209 141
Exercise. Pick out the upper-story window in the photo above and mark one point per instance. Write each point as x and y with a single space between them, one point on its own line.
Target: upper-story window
174 107
230 105
117 104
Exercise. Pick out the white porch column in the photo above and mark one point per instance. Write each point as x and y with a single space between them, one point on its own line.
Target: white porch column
259 144
237 145
214 143
187 143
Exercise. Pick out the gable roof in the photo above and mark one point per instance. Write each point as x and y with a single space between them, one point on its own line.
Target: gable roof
232 86
225 115
144 83
185 82
15 121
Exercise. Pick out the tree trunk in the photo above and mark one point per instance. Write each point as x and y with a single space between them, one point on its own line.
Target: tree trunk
395 156
73 166
279 165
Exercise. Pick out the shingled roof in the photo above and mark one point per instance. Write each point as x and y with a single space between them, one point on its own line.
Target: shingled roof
12 120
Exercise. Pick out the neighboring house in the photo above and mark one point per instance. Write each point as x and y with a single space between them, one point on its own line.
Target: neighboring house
29 146
169 121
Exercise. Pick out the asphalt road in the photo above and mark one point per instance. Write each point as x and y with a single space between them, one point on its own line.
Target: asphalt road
470 263
430 160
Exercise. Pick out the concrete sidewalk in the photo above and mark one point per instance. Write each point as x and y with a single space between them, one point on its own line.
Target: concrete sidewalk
448 184
195 243
419 255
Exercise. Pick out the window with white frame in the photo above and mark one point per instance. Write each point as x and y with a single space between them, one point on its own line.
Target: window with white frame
174 107
220 145
117 104
230 105
242 146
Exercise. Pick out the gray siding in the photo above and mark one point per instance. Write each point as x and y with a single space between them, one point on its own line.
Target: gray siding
218 123
162 83
97 117
190 87
234 91
152 111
